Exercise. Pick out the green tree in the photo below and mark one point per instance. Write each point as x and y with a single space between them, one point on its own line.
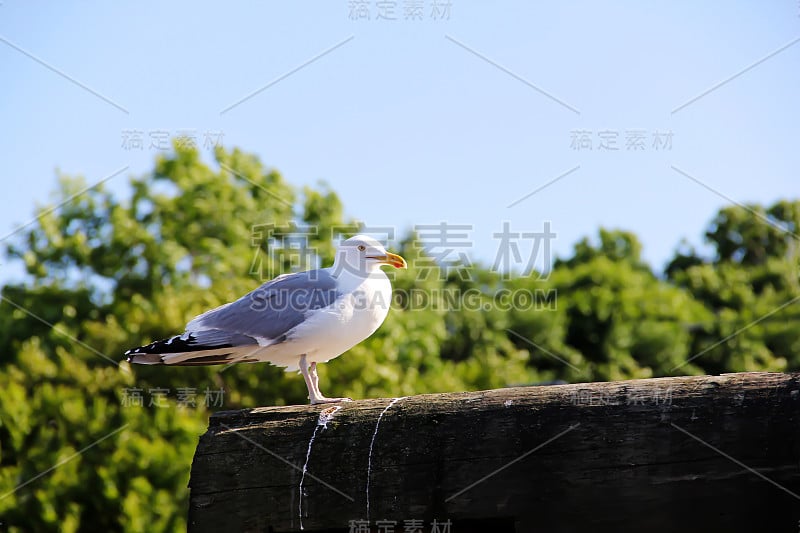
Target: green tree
623 320
751 286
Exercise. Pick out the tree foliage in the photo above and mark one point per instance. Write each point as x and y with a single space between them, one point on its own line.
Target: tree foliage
107 273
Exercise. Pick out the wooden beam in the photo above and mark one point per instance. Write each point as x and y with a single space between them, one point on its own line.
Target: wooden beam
708 453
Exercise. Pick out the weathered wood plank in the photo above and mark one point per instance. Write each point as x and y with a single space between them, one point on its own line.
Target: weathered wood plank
688 453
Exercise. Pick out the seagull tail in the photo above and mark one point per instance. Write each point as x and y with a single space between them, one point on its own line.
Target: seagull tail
210 347
145 359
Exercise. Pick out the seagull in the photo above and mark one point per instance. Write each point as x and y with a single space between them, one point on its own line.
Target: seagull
293 321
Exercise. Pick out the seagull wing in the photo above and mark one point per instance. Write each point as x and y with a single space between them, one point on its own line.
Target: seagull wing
235 331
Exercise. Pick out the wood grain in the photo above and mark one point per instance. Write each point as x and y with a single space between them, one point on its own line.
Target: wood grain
710 453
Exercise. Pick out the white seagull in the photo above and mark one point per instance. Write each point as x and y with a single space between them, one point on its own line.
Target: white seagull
294 321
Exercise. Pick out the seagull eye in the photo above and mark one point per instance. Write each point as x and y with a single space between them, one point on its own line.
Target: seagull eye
361 247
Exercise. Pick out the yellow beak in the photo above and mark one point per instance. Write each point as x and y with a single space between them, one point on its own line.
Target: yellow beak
390 259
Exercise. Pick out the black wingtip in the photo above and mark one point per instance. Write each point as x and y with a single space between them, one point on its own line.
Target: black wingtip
187 342
132 353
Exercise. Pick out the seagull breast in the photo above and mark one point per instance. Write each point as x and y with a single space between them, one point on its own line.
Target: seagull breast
354 316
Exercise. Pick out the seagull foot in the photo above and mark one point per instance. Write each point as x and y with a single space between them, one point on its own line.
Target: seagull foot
316 401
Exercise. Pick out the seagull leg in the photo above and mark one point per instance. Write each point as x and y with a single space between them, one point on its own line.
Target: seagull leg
314 377
312 389
319 398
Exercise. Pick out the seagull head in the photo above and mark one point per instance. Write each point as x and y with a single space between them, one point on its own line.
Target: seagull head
364 254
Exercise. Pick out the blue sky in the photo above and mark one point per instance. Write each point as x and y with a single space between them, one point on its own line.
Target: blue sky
416 122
